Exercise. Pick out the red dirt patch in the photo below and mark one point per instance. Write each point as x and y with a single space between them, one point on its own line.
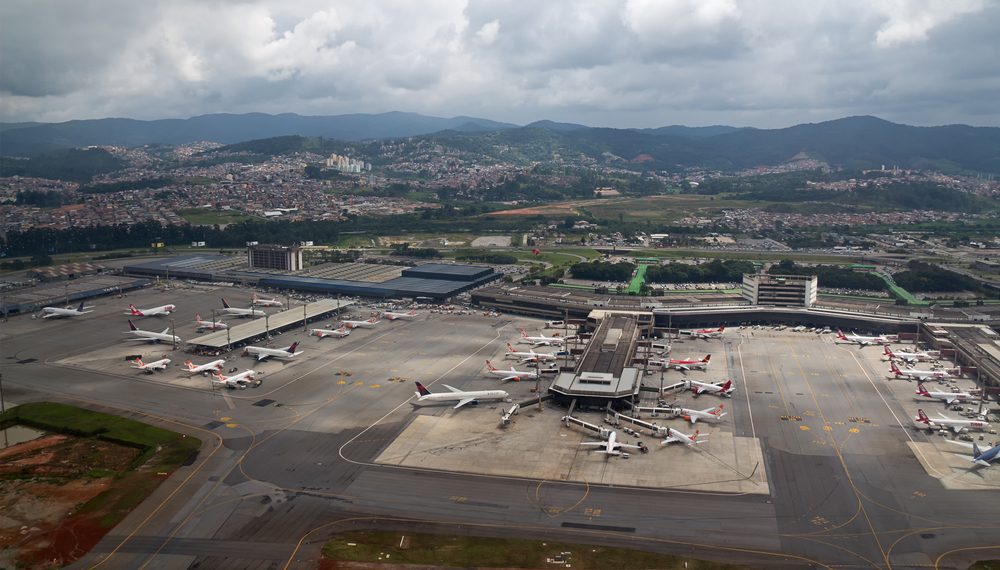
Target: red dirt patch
41 521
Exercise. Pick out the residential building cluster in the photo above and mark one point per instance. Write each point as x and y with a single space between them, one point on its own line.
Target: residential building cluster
347 164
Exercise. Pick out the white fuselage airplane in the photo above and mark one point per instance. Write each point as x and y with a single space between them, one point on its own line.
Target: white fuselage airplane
237 312
507 375
704 333
946 397
529 356
213 366
262 352
150 336
954 425
152 311
710 415
911 357
674 436
150 367
393 316
335 333
690 364
369 324
980 457
541 340
725 389
861 340
59 312
210 325
256 301
241 380
610 446
914 374
426 397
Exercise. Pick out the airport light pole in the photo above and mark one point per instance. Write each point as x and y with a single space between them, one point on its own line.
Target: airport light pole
267 326
3 406
305 324
173 335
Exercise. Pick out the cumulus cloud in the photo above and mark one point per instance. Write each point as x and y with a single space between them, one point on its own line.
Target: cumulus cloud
598 62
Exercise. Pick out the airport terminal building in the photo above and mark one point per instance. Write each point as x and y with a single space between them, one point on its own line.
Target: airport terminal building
436 281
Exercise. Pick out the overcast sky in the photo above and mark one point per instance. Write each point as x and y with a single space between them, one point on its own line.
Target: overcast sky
624 63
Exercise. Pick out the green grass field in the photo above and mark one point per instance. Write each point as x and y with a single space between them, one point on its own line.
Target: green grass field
165 449
204 217
660 209
473 552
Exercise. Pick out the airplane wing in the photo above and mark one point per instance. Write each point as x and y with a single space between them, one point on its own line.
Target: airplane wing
514 377
453 389
463 402
594 444
262 357
950 399
692 419
671 439
698 390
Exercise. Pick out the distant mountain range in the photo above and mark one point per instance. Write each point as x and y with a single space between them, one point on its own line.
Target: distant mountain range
852 142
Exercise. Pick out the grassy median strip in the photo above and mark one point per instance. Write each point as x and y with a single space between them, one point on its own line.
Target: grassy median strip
465 551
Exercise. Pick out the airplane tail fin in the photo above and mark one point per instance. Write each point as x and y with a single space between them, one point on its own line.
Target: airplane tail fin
422 390
922 417
722 328
80 308
490 366
197 316
727 387
975 450
131 325
190 365
510 348
707 358
894 369
921 390
133 311
717 411
886 351
291 349
523 334
225 304
840 335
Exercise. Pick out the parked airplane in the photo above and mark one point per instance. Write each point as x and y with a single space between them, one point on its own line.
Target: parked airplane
914 374
689 364
152 366
980 457
59 312
425 396
911 357
530 355
237 312
710 415
954 425
393 316
721 389
506 375
256 301
241 380
611 446
263 352
150 336
369 324
541 340
505 416
151 312
946 397
210 325
335 333
212 366
704 333
674 436
861 340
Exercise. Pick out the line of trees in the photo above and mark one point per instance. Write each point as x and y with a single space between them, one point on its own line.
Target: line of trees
831 276
924 277
715 271
485 256
603 270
